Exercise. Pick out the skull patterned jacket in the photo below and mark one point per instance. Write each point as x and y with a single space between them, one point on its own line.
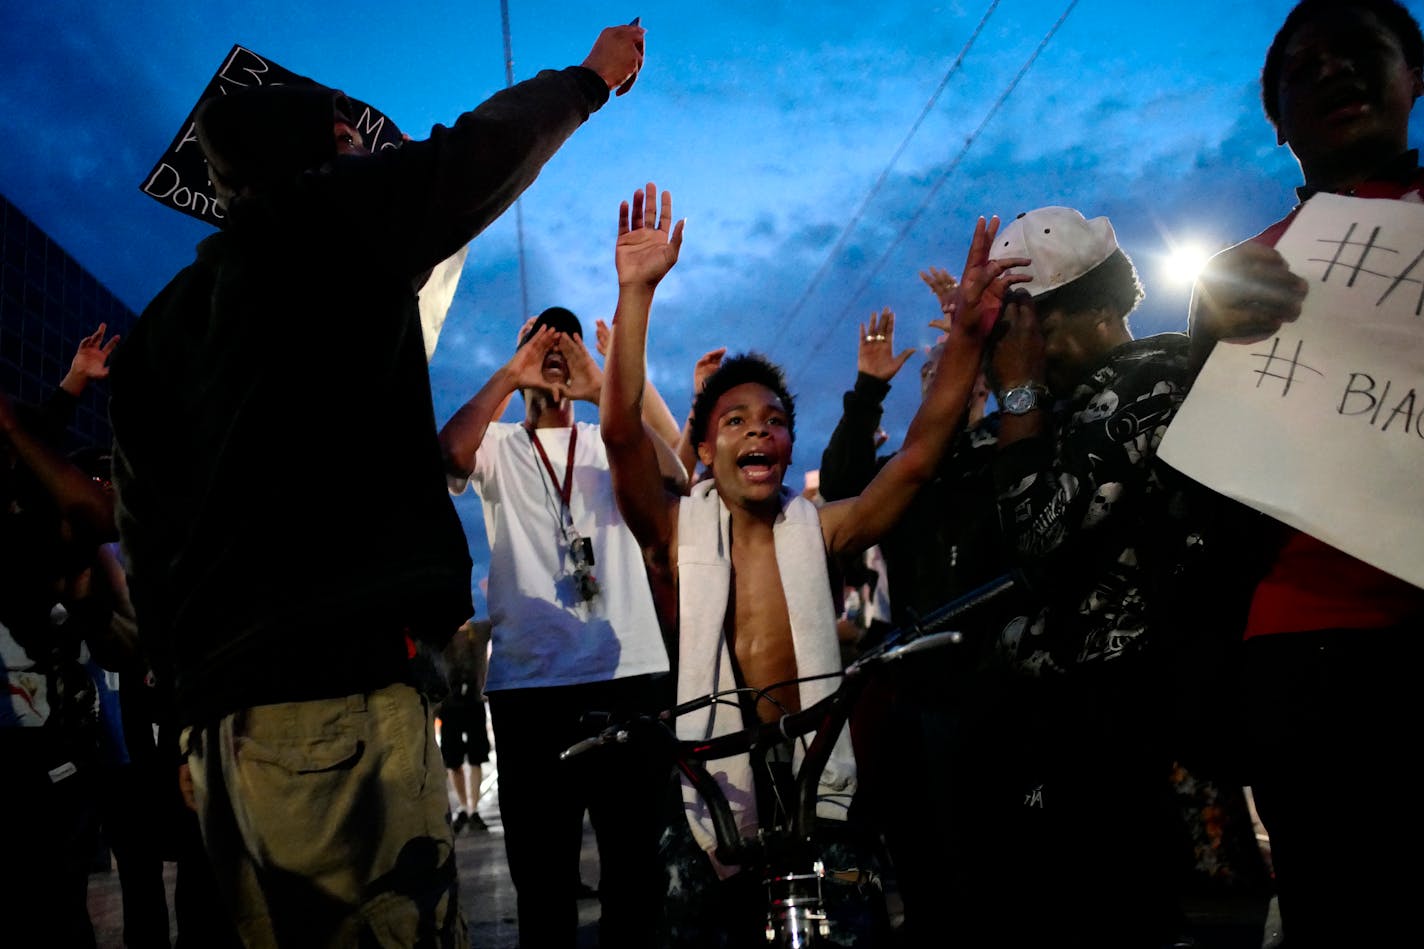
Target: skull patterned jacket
1089 513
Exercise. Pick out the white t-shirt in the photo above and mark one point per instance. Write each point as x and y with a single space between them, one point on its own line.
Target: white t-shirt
544 632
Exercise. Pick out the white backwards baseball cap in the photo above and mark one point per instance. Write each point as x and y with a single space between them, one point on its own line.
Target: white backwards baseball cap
1062 244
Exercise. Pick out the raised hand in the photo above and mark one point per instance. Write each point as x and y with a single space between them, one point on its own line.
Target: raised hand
981 289
942 283
526 366
603 337
585 376
875 354
1018 357
91 361
92 357
617 55
648 243
708 364
528 324
1245 292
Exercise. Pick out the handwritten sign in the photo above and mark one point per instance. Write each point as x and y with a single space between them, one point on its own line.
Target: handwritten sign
180 177
1322 425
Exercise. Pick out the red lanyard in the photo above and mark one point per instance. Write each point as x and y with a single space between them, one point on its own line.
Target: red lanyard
566 492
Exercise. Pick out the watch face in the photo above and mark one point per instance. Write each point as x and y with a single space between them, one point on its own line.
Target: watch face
1019 400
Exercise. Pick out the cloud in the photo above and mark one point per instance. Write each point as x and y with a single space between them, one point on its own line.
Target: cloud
768 122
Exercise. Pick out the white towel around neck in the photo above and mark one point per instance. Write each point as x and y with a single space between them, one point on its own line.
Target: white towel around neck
704 566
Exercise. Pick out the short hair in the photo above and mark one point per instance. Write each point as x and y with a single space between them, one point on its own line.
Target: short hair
562 320
1112 283
1391 13
738 370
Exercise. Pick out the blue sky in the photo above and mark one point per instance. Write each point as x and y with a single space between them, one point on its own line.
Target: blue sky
769 121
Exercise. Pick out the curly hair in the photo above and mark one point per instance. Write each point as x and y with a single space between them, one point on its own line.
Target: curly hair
735 371
1112 283
1392 14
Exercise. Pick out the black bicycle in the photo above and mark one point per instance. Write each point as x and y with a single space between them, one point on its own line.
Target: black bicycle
786 854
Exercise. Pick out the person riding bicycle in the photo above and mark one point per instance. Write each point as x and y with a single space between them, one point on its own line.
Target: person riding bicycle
746 556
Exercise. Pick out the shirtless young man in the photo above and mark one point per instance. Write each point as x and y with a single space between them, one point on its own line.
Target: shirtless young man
743 431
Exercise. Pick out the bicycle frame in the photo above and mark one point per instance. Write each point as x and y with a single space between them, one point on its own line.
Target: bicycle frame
795 915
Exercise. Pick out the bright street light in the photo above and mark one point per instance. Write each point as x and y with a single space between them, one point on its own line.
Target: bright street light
1184 262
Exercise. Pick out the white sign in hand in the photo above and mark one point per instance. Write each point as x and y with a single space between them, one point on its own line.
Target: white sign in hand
1322 425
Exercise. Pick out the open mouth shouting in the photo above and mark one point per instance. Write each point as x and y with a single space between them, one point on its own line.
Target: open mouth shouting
555 367
757 466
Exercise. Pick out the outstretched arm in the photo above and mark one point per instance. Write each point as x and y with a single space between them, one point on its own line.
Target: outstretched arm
659 418
586 384
426 199
848 462
854 524
656 414
648 245
462 435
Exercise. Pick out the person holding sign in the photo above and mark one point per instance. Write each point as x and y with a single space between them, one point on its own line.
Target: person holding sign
284 613
1333 645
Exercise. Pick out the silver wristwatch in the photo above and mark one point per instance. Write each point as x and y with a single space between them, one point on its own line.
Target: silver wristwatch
1021 400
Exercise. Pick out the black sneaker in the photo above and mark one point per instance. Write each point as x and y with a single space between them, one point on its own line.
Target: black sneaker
477 824
461 819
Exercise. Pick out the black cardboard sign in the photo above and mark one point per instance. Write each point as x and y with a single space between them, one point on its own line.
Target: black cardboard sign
180 178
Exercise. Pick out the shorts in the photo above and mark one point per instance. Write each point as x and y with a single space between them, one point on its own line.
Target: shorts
463 736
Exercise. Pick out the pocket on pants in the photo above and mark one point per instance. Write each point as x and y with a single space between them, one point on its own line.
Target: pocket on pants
402 729
304 756
297 782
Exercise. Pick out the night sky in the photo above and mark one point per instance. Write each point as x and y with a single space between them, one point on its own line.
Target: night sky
770 122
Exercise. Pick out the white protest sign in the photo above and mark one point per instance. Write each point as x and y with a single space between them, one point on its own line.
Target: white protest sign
437 295
1322 425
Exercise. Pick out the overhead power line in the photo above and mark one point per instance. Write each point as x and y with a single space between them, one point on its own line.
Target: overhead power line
889 166
834 324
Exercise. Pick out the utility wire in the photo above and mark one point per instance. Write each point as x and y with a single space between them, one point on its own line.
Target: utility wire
834 324
519 203
889 166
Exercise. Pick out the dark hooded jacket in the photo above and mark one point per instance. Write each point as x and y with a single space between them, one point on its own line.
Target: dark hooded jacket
281 491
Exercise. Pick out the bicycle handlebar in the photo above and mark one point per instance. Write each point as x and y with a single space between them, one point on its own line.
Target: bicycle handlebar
825 717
